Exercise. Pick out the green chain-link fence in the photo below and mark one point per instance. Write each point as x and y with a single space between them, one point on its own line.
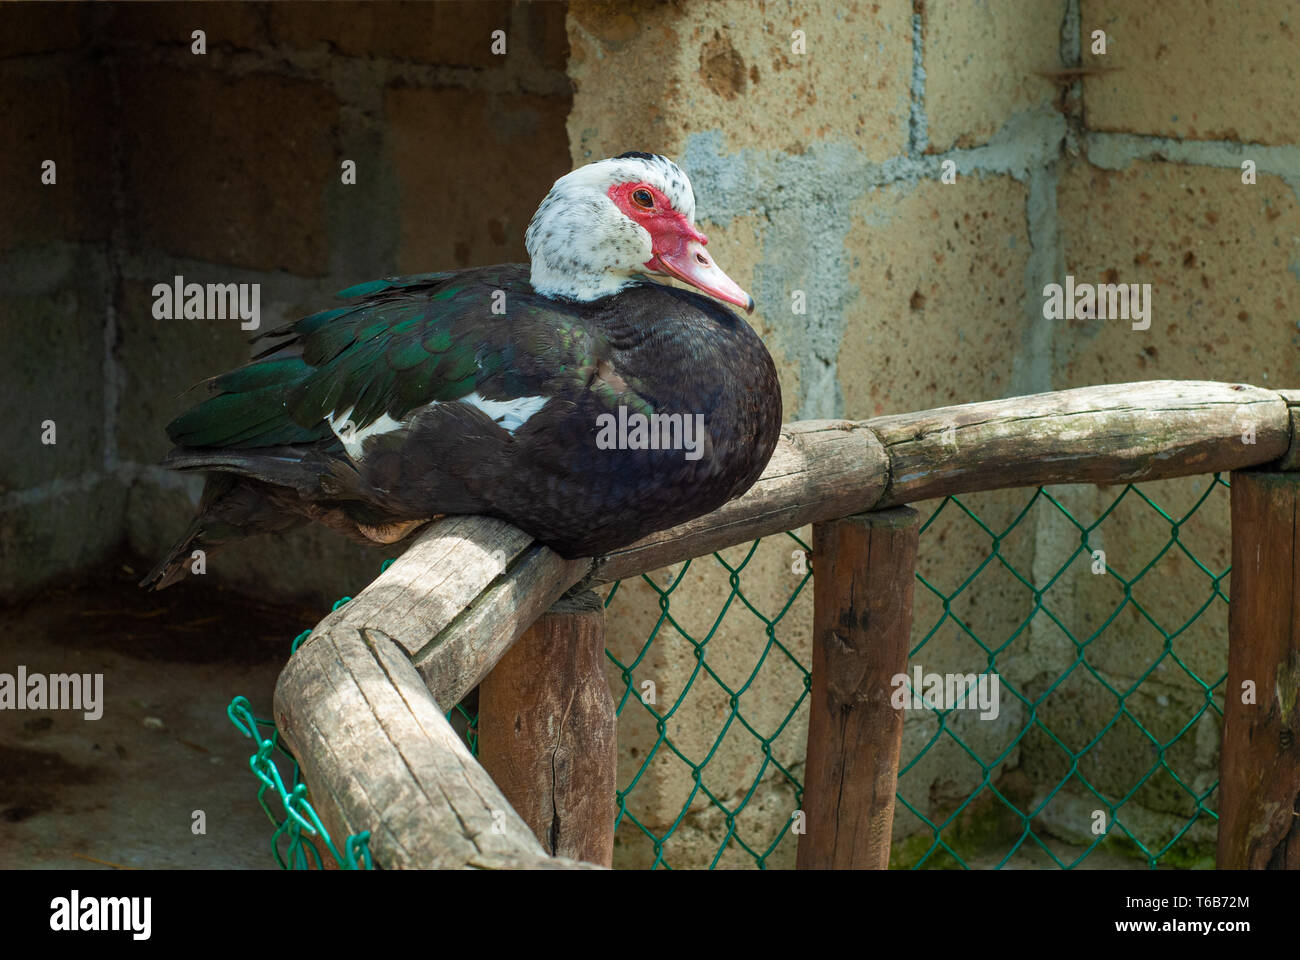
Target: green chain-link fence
1151 752
299 834
985 815
1092 733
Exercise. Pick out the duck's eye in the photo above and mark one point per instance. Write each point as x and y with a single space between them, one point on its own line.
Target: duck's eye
643 198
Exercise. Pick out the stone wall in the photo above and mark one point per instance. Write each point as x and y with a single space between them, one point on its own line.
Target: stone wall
226 167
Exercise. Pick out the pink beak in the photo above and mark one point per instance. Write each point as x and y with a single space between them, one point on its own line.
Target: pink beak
680 253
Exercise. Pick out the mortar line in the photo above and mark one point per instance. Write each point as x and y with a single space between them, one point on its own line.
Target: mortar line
1071 51
1279 159
49 490
113 374
918 124
324 66
1071 56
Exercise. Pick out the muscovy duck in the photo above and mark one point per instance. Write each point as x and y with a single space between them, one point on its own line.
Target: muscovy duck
574 397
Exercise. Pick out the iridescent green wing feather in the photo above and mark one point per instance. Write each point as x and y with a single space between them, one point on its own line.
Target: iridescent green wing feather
409 341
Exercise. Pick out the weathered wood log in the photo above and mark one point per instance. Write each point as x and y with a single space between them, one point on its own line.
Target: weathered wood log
449 564
547 731
864 574
379 755
821 469
1259 760
1119 433
463 653
464 590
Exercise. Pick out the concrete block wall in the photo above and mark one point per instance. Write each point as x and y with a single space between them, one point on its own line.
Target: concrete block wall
226 167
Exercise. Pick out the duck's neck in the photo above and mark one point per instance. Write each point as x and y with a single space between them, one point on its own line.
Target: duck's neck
581 287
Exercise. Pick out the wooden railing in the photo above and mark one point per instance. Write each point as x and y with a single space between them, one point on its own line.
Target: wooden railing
361 704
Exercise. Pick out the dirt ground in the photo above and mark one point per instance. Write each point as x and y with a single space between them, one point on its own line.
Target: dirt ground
121 790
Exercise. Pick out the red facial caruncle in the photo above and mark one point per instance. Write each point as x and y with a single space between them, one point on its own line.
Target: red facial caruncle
677 247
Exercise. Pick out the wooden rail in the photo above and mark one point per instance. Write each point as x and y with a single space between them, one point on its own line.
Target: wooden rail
361 703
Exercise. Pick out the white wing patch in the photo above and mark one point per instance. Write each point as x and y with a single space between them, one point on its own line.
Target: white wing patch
354 438
510 414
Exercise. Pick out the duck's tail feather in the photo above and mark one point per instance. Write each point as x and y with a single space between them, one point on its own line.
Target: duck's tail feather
232 507
298 468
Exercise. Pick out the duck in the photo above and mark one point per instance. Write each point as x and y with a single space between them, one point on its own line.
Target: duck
578 396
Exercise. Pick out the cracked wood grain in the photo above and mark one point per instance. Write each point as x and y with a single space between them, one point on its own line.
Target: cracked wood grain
548 733
1118 433
1259 760
379 755
862 618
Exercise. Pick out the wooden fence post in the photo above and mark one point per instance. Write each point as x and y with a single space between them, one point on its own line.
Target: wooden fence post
1259 761
863 575
547 731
